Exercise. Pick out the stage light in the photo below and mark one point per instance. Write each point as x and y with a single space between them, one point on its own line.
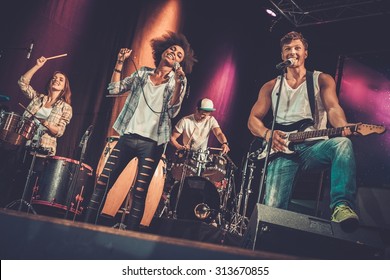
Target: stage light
270 12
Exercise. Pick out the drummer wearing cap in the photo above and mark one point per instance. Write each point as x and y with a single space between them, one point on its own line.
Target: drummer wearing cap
196 128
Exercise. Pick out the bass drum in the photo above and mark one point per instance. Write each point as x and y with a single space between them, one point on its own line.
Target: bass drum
198 195
53 189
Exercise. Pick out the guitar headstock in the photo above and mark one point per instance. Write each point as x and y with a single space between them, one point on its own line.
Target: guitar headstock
366 129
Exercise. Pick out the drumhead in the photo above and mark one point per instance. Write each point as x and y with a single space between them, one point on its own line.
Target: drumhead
196 190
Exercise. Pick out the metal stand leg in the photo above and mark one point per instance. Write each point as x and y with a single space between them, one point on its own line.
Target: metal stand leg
23 201
240 221
126 209
183 176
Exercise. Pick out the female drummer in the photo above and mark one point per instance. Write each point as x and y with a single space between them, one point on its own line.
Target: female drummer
53 107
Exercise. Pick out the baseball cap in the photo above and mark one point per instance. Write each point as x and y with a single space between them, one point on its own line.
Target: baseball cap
206 105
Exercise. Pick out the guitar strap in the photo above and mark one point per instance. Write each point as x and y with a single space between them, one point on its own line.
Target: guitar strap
310 91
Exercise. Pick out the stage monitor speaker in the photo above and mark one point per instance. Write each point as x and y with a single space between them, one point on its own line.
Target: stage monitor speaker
281 231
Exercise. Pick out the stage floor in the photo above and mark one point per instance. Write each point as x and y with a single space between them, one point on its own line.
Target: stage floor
27 236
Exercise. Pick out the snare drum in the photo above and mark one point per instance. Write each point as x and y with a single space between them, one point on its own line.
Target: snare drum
16 129
181 157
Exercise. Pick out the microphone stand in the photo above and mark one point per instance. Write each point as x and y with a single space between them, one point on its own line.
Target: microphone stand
74 179
268 151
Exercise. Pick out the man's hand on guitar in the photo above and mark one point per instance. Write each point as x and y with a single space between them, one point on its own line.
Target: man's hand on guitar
278 141
346 131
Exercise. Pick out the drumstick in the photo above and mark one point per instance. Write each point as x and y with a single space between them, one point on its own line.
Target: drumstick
28 111
57 56
217 149
192 135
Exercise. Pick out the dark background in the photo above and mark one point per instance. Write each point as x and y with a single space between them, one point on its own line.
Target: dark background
93 31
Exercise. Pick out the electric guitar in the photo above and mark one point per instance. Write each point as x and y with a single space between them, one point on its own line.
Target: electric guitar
296 133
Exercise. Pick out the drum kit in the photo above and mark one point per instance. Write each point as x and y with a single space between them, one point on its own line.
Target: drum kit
56 186
203 184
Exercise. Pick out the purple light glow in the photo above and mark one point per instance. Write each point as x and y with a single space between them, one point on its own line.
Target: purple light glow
365 97
221 87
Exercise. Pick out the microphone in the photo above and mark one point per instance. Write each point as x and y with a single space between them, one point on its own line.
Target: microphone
176 66
87 133
284 64
29 50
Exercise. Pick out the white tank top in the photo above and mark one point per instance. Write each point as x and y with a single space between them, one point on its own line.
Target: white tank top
294 104
147 114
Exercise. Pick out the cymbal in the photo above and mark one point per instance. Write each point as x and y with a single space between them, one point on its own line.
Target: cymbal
4 98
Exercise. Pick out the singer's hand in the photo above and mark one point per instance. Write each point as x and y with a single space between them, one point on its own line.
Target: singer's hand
41 61
179 75
124 54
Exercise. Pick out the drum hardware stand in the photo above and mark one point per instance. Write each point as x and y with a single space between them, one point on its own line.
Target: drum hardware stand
71 190
165 171
26 185
245 220
166 207
226 197
239 221
30 171
125 209
183 176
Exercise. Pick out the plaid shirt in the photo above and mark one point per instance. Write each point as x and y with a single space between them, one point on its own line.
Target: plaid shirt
134 84
60 115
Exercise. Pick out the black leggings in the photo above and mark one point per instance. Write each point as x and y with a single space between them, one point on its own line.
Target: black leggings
128 147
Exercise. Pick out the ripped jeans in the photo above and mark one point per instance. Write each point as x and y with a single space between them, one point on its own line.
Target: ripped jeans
128 147
336 153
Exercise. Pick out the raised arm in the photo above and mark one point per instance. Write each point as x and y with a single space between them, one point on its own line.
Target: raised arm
123 55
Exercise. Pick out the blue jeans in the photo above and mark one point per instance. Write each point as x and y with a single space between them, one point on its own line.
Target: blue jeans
336 153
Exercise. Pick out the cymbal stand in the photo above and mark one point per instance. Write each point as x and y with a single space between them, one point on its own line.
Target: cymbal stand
229 188
183 176
238 219
245 220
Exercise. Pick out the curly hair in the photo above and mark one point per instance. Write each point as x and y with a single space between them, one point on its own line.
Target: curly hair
293 35
159 45
66 93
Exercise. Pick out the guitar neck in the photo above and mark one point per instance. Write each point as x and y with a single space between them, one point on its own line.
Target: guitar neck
301 136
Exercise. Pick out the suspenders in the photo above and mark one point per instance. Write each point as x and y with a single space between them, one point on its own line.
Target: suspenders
310 91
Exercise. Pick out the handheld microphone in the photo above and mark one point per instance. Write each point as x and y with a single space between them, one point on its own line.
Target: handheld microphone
176 66
29 50
286 63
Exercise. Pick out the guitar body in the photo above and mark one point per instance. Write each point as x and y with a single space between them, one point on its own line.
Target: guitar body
288 129
295 133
